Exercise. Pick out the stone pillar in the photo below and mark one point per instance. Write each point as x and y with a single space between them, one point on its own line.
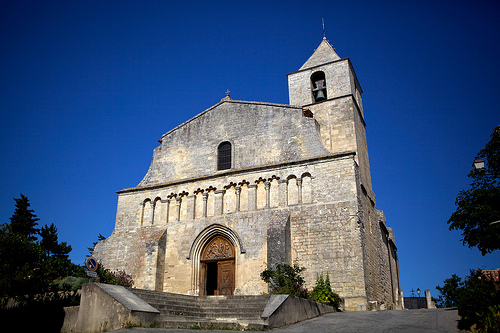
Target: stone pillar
237 190
205 199
252 197
170 197
267 186
219 202
299 186
152 214
428 299
282 192
167 204
178 203
191 206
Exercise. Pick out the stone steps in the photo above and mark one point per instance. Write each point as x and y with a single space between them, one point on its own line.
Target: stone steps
186 311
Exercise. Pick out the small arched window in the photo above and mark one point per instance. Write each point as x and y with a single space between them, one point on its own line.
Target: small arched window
318 83
224 156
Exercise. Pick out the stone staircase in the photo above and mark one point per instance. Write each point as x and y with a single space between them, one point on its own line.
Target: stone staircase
183 311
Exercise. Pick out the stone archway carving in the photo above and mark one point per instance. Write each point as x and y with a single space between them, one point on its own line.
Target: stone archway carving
218 248
217 267
200 244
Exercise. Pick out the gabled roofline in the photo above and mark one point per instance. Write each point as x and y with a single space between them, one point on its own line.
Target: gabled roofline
228 101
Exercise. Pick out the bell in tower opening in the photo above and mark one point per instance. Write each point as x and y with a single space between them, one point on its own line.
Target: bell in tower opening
319 86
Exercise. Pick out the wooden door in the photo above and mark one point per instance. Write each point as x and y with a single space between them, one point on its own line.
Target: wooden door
217 267
225 277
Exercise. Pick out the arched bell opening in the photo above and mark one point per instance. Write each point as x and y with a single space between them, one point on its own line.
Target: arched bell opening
318 83
217 265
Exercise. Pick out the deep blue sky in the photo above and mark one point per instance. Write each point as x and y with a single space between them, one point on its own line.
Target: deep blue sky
88 87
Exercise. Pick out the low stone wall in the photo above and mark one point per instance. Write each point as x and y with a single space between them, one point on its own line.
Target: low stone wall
286 309
106 307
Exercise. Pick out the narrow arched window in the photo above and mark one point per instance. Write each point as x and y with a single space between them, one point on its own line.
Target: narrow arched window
318 83
224 156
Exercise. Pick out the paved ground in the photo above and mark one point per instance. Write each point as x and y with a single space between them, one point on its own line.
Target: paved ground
407 321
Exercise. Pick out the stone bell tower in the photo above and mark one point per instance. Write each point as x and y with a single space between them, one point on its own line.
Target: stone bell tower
327 86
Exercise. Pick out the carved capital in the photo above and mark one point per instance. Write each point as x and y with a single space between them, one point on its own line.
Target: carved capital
199 190
260 180
211 188
243 182
231 184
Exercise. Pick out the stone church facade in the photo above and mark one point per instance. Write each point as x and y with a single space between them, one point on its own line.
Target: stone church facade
246 184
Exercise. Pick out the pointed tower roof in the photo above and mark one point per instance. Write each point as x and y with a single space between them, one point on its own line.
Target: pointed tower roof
322 55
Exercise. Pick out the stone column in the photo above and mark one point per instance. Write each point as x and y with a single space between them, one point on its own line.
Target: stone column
282 192
219 202
252 197
237 190
299 186
267 186
167 203
191 206
205 198
152 214
178 203
170 197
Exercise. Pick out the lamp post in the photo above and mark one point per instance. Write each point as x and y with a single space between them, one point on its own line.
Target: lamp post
418 292
478 163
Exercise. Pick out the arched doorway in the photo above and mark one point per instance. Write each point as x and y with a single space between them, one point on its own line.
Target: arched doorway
217 267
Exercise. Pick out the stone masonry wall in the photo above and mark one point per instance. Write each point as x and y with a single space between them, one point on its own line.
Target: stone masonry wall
260 134
321 234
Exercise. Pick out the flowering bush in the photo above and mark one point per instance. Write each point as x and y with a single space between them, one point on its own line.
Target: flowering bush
122 279
323 293
285 279
117 277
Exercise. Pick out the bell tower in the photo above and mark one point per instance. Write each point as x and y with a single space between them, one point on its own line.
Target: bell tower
327 86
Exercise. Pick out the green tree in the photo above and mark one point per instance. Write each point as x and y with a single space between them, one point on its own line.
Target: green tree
449 292
477 298
478 209
56 263
28 266
91 249
20 261
479 303
23 222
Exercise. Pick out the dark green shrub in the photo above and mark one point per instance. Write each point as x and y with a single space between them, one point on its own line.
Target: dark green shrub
477 299
285 279
479 303
323 293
